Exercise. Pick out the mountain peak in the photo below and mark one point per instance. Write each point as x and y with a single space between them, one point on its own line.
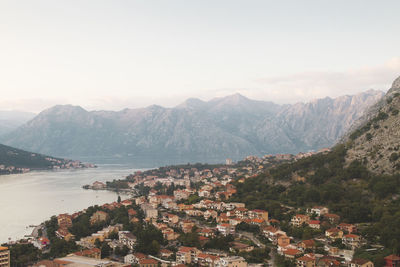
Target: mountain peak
191 103
67 107
396 83
60 111
234 99
237 97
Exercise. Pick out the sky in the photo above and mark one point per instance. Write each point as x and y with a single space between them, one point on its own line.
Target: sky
127 54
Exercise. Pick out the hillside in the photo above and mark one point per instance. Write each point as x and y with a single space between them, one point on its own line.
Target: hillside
376 142
14 160
362 187
227 127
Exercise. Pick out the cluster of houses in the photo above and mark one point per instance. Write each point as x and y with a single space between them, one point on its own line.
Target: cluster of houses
213 214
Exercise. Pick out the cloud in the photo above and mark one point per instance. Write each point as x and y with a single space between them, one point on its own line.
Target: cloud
297 87
306 86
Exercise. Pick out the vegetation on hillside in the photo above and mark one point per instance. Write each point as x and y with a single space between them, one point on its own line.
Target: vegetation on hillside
352 192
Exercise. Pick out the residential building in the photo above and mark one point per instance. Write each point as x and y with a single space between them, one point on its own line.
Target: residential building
226 229
299 219
127 238
315 224
134 258
186 255
148 263
348 228
232 261
328 261
166 253
98 216
283 240
94 253
334 233
170 218
360 263
332 218
291 253
98 185
149 211
307 244
392 261
259 214
64 221
305 261
318 210
206 260
4 257
352 240
240 247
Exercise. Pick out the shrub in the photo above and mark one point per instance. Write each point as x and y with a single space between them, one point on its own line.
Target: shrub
394 156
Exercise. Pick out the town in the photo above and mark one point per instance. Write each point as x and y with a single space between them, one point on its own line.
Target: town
189 216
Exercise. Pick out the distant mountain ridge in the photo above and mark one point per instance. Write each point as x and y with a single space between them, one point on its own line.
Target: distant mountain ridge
196 130
13 160
11 120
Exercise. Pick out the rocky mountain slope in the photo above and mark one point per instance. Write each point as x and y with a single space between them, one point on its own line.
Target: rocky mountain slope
376 142
232 126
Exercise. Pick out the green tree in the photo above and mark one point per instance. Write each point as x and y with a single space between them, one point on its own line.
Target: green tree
105 250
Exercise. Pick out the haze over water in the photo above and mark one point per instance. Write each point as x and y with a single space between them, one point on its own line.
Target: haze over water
31 198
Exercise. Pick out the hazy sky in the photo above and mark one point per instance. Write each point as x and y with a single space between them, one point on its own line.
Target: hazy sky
116 54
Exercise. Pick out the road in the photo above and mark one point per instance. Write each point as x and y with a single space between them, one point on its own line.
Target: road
252 238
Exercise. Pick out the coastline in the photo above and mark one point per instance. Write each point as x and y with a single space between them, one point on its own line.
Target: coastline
42 194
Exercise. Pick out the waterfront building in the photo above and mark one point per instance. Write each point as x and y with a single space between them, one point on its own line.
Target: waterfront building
4 257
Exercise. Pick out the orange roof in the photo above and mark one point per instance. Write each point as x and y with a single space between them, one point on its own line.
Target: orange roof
3 248
259 211
305 258
351 236
345 225
256 220
392 257
62 262
148 261
270 229
314 222
292 252
140 255
186 249
333 230
308 243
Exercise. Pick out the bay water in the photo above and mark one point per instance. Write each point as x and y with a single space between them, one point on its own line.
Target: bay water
31 198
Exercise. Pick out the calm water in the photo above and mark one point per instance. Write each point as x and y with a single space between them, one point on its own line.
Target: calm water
31 198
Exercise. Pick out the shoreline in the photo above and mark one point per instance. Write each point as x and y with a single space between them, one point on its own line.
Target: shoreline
51 192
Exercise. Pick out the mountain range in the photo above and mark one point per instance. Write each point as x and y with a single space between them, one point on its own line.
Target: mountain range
196 130
11 120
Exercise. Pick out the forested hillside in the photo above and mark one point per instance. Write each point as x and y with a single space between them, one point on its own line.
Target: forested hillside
13 160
